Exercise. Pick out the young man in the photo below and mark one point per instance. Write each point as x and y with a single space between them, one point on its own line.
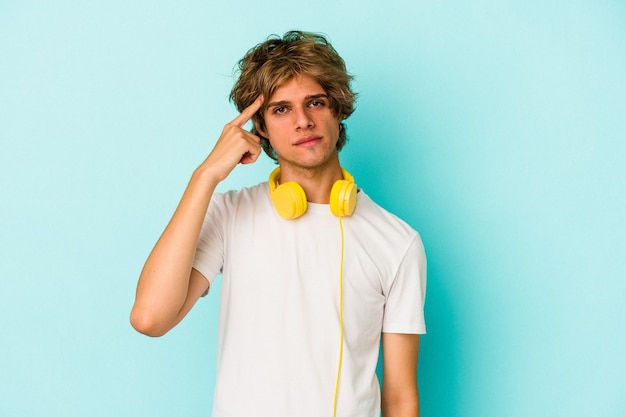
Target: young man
314 273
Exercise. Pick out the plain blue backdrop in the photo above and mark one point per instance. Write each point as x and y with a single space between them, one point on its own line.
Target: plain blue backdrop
496 129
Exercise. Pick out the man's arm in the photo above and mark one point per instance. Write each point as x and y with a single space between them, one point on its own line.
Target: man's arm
168 285
399 387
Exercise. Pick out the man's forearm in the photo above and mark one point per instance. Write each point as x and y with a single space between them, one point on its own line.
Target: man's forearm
410 408
164 283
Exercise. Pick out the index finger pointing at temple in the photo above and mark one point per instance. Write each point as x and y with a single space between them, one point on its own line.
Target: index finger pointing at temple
248 112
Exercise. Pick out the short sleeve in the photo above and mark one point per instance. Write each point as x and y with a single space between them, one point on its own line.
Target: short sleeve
404 306
209 257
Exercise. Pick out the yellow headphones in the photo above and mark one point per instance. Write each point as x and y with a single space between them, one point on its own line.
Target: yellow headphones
290 200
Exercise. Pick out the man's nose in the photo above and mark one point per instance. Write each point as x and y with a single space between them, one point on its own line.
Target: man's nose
303 119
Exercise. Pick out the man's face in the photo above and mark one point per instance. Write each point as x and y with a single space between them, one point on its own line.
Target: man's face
301 126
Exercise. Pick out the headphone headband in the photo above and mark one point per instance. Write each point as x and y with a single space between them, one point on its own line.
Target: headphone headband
290 200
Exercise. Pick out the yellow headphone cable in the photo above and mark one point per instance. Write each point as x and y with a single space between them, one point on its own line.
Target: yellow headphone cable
340 319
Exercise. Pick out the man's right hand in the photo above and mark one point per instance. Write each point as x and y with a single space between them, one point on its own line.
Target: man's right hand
235 145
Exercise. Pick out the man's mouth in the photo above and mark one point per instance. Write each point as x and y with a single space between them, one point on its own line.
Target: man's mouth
308 140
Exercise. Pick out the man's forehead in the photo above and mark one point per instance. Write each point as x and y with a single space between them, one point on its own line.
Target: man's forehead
299 87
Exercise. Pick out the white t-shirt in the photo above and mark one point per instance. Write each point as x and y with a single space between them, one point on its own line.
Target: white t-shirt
279 310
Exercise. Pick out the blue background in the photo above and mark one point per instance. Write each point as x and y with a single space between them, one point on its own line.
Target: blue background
497 129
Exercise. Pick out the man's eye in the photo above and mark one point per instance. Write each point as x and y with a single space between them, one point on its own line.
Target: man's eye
317 103
280 110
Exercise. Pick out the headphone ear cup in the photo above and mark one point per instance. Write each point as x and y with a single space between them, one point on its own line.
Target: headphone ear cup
289 200
343 198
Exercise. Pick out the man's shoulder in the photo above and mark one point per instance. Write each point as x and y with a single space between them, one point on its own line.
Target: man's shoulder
249 192
374 212
226 204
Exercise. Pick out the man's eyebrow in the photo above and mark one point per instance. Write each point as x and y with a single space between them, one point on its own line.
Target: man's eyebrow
278 103
284 102
320 95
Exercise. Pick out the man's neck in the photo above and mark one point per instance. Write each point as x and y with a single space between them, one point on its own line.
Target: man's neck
316 182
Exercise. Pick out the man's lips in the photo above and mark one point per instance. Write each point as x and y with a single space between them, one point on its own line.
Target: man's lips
308 140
